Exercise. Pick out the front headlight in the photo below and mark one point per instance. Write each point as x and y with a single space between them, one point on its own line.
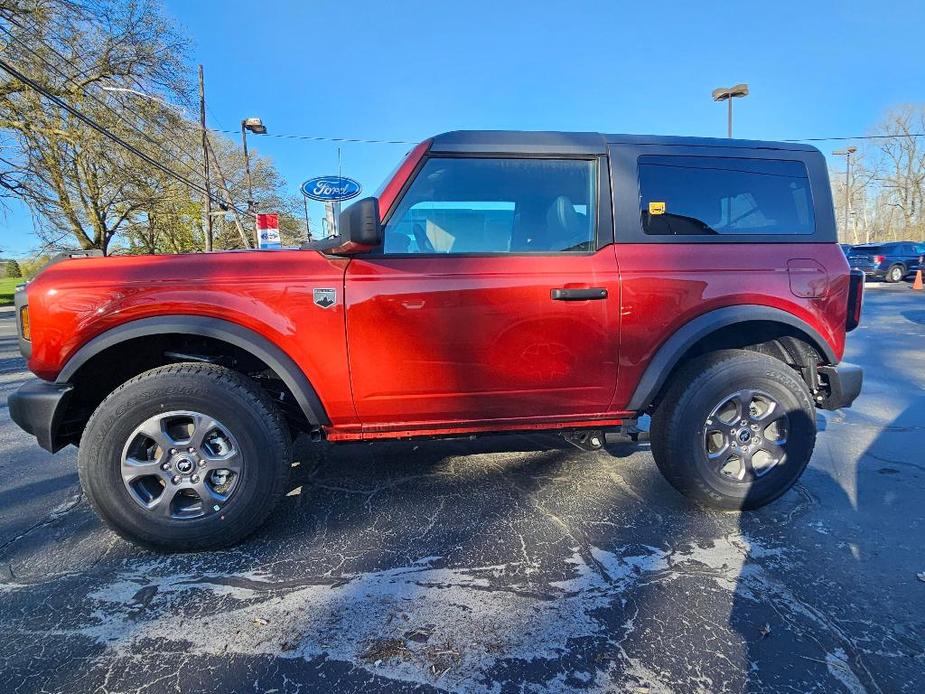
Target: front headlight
24 323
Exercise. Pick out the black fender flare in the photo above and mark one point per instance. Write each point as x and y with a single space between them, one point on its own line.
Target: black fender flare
216 328
670 353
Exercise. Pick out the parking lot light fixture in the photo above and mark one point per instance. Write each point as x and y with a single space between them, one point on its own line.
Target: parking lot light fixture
727 94
254 125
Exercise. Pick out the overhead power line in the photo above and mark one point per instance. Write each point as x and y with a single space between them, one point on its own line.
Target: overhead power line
106 132
320 138
131 126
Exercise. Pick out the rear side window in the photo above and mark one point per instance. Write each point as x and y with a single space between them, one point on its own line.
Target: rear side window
685 195
496 205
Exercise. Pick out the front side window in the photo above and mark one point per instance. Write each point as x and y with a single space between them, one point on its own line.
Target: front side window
493 205
682 195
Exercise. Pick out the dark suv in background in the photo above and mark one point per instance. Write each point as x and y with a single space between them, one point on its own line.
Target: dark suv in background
887 261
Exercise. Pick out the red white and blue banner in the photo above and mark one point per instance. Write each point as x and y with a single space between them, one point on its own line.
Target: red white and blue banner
268 231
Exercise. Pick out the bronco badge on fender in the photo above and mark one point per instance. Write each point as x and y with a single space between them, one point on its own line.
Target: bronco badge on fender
325 298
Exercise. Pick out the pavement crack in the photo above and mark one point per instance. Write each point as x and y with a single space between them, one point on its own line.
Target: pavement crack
893 461
54 515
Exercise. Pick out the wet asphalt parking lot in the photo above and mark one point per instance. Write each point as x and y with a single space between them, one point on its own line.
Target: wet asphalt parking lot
502 564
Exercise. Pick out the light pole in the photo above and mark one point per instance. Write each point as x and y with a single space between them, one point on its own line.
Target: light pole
727 94
846 153
256 126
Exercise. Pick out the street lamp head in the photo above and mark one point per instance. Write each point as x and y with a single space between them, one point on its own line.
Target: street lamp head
844 152
255 125
723 93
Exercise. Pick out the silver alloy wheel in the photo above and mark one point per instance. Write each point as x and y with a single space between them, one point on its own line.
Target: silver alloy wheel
745 436
896 273
181 465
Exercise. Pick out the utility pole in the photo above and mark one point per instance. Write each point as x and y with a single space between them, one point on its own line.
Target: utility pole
207 197
846 153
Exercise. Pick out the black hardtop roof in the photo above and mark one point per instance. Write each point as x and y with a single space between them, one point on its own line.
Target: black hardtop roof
550 141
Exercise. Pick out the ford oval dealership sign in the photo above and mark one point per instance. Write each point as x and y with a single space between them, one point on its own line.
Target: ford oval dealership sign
330 188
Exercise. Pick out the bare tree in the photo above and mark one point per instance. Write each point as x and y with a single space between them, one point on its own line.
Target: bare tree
82 186
902 167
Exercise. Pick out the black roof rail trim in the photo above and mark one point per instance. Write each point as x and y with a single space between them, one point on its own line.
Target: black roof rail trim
563 142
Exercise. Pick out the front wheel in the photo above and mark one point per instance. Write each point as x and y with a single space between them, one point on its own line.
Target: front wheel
735 430
185 457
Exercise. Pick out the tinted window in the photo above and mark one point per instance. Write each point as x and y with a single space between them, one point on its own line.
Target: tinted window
496 206
721 195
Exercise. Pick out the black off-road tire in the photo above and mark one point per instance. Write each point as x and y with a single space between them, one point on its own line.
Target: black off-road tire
680 421
895 273
225 395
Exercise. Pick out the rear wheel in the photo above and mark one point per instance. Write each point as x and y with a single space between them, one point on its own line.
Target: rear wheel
184 457
735 430
895 273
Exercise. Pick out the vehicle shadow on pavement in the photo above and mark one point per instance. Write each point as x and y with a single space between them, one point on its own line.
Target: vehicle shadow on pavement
804 607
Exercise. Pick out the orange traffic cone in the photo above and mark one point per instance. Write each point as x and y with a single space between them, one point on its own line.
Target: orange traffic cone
918 280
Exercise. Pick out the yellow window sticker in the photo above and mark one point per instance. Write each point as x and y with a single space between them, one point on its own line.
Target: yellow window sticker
656 208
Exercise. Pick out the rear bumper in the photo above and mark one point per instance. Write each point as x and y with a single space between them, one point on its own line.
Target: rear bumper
37 407
844 382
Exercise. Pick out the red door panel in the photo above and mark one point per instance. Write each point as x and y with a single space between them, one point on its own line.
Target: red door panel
455 338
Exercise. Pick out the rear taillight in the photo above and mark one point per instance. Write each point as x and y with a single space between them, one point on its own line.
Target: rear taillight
878 259
855 299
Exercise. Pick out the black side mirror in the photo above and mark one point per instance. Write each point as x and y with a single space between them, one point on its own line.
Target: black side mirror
359 224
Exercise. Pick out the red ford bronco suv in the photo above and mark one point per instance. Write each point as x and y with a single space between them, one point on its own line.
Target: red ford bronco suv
499 282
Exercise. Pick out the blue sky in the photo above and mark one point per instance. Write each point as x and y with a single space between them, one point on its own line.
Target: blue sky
407 70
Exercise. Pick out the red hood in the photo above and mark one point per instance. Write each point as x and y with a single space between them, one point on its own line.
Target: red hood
72 301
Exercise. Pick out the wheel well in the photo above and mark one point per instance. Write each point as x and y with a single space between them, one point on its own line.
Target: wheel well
113 366
783 342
